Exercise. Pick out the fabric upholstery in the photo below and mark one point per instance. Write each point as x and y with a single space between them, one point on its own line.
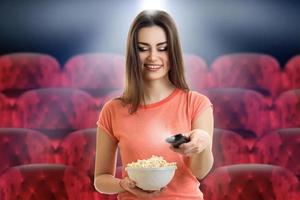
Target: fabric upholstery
241 110
23 146
229 148
55 109
249 182
78 150
197 73
96 73
47 182
291 75
24 71
287 109
280 147
6 111
254 71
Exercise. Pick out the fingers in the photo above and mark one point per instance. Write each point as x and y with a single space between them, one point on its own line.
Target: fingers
187 151
127 183
130 186
195 146
146 194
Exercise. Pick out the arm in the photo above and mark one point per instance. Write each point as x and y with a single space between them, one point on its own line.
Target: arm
199 149
105 164
202 162
105 182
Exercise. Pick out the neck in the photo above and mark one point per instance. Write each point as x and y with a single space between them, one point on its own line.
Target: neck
156 91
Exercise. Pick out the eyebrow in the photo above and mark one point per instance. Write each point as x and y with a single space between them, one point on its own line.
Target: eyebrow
161 43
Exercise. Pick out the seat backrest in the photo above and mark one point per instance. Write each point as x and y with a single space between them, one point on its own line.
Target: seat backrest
286 110
20 72
243 111
109 96
197 73
291 75
254 71
78 150
6 112
96 73
249 182
45 181
229 148
55 109
23 146
280 147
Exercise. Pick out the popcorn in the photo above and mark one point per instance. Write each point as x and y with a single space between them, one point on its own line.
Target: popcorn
153 162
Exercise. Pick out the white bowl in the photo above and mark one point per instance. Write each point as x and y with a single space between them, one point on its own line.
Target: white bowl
151 178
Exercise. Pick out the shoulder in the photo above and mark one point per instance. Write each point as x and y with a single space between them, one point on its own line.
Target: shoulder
195 96
197 103
197 100
112 105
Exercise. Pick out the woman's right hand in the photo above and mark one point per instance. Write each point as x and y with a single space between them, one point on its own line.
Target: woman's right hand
129 185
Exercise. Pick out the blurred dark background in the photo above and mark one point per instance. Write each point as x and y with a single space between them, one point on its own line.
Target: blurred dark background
207 28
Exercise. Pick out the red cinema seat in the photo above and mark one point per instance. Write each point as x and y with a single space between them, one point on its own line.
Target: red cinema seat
280 147
253 71
6 112
109 96
47 182
78 150
20 72
251 182
243 111
57 111
23 146
229 148
96 73
291 75
287 109
197 73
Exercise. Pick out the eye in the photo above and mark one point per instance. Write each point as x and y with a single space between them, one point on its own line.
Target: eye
163 49
143 48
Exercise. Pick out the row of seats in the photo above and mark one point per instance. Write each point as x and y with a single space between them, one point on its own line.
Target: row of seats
234 182
249 182
278 147
57 125
47 182
37 174
25 146
56 111
98 73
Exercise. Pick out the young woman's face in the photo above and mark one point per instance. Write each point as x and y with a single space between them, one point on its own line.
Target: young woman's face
153 53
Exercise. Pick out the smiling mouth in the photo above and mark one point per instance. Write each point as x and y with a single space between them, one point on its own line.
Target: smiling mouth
153 66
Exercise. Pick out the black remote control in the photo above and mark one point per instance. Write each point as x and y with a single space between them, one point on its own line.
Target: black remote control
177 140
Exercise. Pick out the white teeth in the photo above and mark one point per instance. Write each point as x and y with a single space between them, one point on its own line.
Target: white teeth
153 66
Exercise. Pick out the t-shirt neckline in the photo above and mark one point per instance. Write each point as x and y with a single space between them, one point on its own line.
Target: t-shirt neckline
161 102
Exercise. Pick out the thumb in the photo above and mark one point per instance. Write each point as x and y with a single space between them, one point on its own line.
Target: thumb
131 183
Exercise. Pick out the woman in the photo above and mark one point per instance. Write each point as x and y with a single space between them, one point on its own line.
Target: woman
156 104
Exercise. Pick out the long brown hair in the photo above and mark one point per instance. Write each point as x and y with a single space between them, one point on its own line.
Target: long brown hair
133 92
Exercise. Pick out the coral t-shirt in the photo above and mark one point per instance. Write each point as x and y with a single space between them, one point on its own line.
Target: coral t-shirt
142 134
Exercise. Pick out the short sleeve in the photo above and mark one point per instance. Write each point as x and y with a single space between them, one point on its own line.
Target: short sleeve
105 119
198 103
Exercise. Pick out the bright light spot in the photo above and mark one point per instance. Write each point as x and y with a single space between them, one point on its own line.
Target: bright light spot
152 4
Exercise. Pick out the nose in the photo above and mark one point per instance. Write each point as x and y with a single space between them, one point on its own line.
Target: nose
152 55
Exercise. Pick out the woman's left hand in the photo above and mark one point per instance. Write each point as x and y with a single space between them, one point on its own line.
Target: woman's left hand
199 140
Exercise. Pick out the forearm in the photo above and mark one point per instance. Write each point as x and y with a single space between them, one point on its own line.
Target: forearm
201 164
108 184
